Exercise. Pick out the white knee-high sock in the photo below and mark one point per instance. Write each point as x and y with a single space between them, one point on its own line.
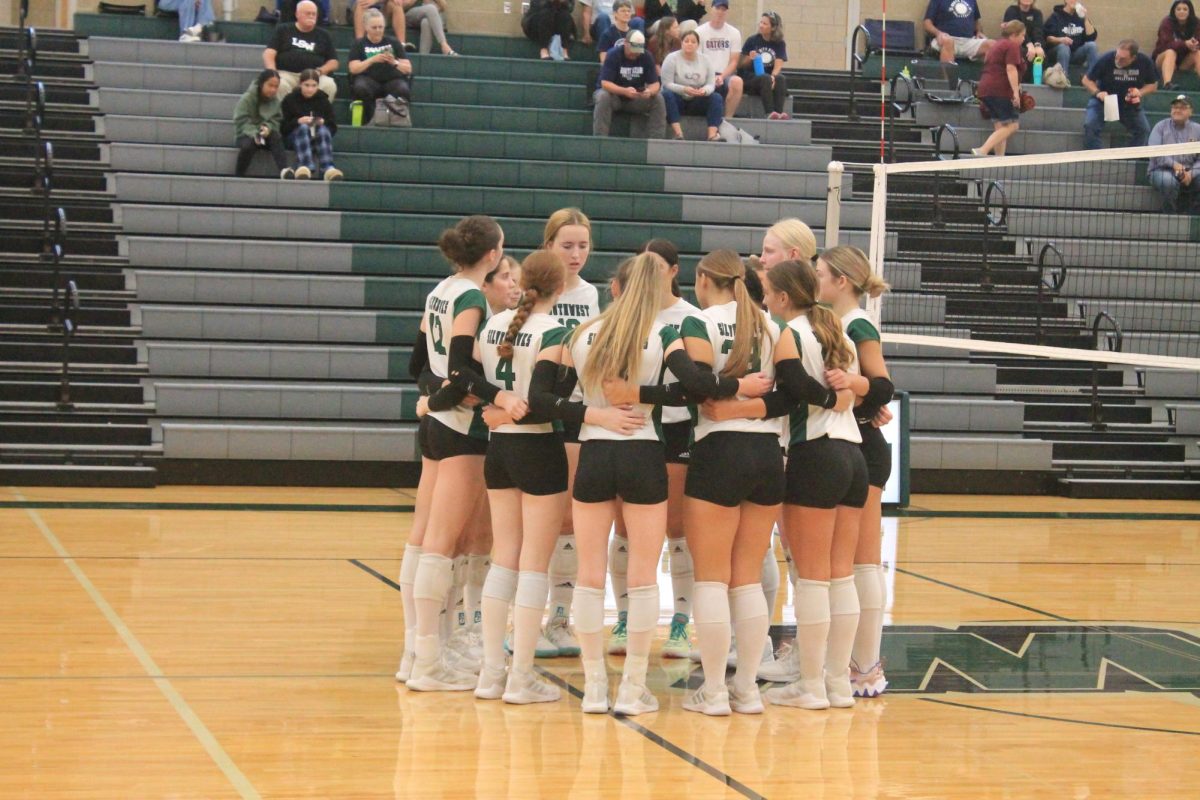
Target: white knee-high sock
812 626
430 586
748 610
642 620
843 622
458 578
527 617
793 575
589 629
770 581
870 621
477 570
564 566
408 574
682 576
618 570
713 631
498 592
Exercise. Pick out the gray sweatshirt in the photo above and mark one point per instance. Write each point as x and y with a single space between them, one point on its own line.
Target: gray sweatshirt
679 74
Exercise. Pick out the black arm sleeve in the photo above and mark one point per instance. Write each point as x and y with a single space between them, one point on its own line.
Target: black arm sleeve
696 381
665 394
444 398
779 404
792 378
418 362
466 372
544 398
429 382
880 394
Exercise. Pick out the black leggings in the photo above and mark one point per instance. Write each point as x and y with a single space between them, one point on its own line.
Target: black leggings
247 148
368 90
772 99
542 24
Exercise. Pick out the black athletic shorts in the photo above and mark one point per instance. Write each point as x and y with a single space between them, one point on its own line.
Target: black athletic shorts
878 454
570 432
732 467
677 439
824 473
535 463
439 441
633 470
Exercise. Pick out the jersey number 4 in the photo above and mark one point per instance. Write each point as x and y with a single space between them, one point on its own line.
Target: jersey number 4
504 372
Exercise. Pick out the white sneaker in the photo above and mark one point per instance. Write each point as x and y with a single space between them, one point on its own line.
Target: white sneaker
595 697
633 699
871 683
679 640
745 702
404 672
785 668
440 677
195 30
558 633
715 704
543 649
800 694
768 653
287 174
188 37
530 688
491 683
839 691
458 654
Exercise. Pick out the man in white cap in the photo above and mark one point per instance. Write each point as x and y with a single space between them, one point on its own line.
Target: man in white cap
1177 178
629 82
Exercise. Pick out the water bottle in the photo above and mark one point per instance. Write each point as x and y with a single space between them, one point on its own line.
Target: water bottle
1037 70
758 65
356 113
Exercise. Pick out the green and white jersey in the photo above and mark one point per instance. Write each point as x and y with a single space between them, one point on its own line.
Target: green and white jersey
513 374
718 324
650 374
810 422
859 327
573 308
674 317
450 298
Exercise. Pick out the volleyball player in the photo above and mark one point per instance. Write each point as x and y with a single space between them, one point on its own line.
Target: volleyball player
568 233
845 276
455 438
677 438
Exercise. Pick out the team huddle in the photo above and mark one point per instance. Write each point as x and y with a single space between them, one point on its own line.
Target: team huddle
599 435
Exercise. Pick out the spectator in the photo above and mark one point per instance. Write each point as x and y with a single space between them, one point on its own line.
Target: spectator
194 16
1128 74
1035 27
768 45
664 38
256 121
629 82
1178 42
1177 178
620 24
955 30
429 16
689 87
546 19
721 44
597 17
298 46
307 123
1072 36
285 11
682 10
999 87
378 67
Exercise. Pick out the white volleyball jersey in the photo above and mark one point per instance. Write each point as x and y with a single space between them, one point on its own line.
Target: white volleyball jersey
573 308
810 422
449 299
718 324
674 317
859 326
514 374
649 374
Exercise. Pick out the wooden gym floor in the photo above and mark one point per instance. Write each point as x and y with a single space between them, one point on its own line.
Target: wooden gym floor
200 642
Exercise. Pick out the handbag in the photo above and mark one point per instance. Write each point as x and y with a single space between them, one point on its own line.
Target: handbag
392 112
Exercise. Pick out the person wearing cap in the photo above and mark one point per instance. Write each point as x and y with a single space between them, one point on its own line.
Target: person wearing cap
620 24
721 44
1130 75
597 17
1177 178
629 83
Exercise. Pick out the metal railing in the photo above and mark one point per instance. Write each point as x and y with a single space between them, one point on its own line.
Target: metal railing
856 65
990 221
1057 279
70 304
907 105
1115 340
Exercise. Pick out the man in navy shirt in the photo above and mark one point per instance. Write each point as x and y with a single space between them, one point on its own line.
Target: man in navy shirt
629 82
955 30
1128 74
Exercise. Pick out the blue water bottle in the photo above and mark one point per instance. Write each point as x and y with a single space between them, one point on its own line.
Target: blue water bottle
758 65
1037 70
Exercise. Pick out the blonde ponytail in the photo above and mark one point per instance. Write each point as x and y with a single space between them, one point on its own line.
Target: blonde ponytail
617 349
853 264
798 280
725 269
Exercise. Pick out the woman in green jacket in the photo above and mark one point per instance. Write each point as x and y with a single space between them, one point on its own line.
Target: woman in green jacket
256 122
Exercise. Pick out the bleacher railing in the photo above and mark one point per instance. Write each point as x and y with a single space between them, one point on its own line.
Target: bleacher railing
1057 279
856 65
70 304
995 215
1115 340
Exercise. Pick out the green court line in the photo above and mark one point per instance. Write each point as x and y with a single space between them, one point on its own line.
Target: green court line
1058 719
1113 515
130 506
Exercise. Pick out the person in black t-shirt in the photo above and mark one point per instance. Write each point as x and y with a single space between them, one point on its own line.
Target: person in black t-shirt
1130 76
308 125
1035 27
378 67
771 85
629 82
296 47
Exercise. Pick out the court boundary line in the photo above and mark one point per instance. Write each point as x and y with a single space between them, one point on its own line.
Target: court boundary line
190 718
728 780
1049 718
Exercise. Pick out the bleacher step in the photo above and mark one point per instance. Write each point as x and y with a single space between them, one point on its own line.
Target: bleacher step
1129 488
101 475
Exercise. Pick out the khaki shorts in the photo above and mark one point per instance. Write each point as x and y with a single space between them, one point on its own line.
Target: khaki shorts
965 47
